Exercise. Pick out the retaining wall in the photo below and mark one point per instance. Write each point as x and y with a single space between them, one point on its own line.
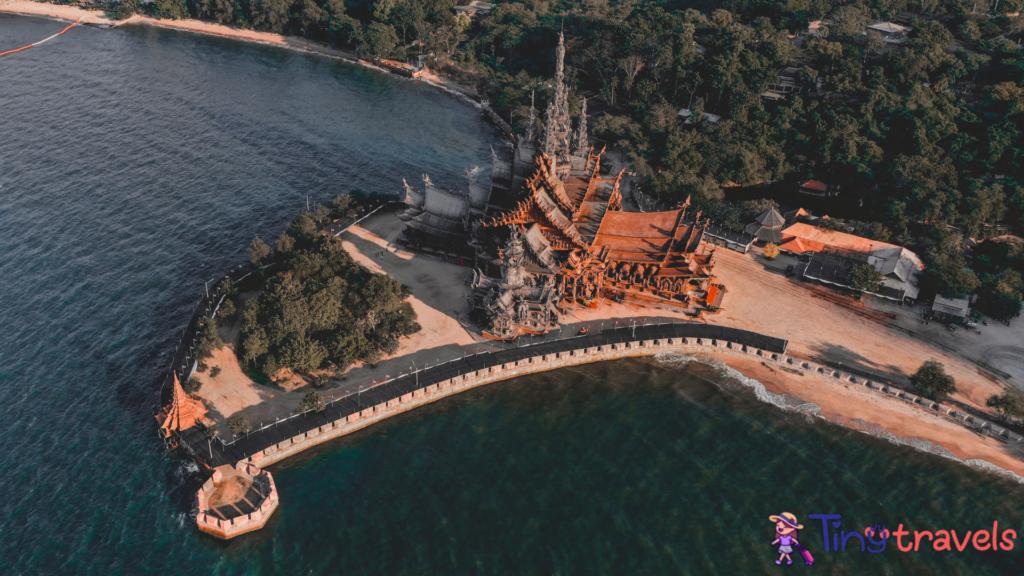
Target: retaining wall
553 361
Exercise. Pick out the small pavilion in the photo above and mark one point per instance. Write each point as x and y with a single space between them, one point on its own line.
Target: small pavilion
182 414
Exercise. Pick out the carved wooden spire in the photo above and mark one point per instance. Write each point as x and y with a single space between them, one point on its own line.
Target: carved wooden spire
580 138
557 127
532 120
183 413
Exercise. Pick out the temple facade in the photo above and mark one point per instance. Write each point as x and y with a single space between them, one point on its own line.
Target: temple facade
549 234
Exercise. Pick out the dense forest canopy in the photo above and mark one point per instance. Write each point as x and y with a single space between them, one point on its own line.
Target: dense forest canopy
318 305
926 135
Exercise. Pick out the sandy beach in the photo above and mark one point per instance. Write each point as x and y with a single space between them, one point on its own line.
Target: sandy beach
852 406
99 18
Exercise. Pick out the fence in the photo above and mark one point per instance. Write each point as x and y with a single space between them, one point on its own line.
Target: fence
217 452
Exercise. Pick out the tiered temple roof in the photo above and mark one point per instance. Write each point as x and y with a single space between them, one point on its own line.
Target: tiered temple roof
571 243
183 413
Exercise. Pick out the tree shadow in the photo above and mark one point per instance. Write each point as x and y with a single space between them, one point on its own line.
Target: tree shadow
842 358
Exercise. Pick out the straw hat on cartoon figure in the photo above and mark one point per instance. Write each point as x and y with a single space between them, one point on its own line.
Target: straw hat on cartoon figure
786 536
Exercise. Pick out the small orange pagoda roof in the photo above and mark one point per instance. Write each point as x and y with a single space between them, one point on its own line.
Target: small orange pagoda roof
183 413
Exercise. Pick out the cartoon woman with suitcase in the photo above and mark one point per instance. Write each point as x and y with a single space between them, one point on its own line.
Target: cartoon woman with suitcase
786 536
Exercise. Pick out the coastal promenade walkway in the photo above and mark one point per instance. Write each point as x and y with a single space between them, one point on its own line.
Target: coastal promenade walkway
216 452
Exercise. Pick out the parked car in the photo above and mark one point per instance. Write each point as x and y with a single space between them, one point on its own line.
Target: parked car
970 324
789 271
952 327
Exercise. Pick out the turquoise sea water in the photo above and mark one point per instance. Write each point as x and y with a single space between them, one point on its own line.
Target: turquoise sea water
137 163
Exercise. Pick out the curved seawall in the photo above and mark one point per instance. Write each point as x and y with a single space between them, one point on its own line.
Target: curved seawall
274 442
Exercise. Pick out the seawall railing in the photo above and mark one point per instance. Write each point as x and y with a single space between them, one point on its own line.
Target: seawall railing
370 404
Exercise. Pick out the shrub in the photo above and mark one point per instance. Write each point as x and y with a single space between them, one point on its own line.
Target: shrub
215 371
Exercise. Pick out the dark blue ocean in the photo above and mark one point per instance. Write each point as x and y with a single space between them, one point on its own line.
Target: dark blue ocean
137 163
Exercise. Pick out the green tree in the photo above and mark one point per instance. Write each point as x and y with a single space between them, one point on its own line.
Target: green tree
220 11
376 41
931 378
215 371
192 386
947 274
269 15
239 424
312 400
126 9
865 278
258 250
335 22
1010 403
970 31
208 339
341 204
285 244
1000 295
304 225
171 9
227 308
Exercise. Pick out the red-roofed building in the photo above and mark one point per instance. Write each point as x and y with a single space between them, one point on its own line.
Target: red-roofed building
814 188
834 253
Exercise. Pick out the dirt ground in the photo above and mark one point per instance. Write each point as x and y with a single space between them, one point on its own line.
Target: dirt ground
822 324
439 293
230 489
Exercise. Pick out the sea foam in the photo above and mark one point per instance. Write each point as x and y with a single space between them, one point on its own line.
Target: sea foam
791 403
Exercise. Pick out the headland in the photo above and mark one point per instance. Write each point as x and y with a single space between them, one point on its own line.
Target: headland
553 264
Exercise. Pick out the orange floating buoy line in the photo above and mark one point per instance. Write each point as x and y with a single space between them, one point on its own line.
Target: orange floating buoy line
43 40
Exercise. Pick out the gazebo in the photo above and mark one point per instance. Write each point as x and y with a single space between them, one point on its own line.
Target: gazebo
768 226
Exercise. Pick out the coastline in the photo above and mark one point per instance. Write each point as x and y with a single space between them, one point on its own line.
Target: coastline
775 378
845 408
99 19
846 398
854 407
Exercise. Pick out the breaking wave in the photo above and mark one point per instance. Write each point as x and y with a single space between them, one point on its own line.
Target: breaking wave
791 403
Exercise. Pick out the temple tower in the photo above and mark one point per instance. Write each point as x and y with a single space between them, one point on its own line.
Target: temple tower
532 120
580 137
557 127
513 261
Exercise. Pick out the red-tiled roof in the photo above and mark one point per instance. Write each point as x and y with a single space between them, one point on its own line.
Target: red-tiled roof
815 185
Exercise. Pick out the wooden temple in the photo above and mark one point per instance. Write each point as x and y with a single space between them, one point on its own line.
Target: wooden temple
182 414
554 207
